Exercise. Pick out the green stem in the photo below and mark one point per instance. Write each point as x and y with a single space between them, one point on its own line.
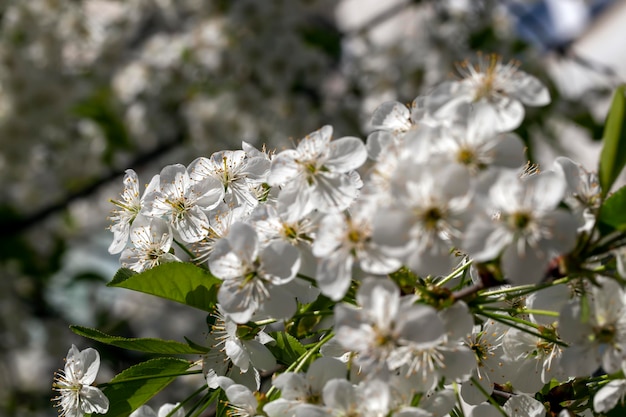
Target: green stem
306 278
489 398
521 290
606 243
515 322
522 311
457 395
204 403
189 253
186 400
314 313
297 365
454 273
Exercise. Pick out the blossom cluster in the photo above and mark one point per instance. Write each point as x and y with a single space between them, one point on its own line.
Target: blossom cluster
442 271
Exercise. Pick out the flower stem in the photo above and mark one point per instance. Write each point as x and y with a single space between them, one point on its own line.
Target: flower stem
520 324
454 273
299 363
186 400
489 398
522 311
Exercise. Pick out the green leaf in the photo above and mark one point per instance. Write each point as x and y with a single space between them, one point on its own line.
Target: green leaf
613 210
613 155
149 345
197 346
133 387
182 282
287 348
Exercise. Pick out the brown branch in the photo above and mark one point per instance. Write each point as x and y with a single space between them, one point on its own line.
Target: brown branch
13 227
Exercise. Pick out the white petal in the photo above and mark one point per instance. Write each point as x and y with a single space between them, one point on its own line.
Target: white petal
485 410
421 324
241 396
334 274
193 226
224 263
144 411
509 151
458 321
507 114
340 394
472 394
392 228
330 235
293 386
87 364
432 258
546 190
257 169
243 241
484 239
207 193
346 154
530 91
523 264
323 370
166 409
280 262
551 299
284 168
524 406
380 297
281 407
260 356
295 202
378 143
316 144
280 304
391 115
459 363
93 400
174 181
527 377
609 395
237 354
333 193
580 360
439 403
235 302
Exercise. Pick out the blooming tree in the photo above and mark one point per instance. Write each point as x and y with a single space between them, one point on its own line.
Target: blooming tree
426 271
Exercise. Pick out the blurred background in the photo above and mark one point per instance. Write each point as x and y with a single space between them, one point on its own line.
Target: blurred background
89 88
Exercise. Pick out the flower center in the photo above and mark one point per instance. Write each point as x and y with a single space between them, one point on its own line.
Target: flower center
519 221
431 217
605 334
466 156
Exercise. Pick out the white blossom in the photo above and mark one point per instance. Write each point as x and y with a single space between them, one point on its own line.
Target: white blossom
151 240
502 87
254 276
596 333
183 202
127 209
77 396
522 224
318 174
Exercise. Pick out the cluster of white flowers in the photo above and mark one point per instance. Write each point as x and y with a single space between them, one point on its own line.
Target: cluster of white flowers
440 251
